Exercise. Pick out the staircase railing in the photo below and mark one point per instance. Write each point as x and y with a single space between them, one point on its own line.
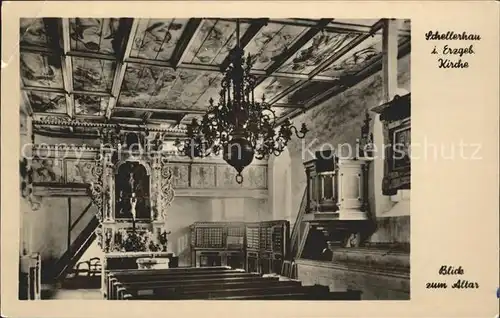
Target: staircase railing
294 237
288 268
76 249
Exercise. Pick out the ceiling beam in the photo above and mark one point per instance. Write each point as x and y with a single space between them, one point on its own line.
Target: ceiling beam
334 26
215 68
287 105
161 110
129 27
164 121
57 134
390 59
43 89
371 69
67 67
192 28
100 94
35 49
254 28
329 61
92 55
317 78
131 119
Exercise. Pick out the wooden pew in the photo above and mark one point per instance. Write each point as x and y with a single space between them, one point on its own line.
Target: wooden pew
225 291
197 290
148 277
212 283
112 276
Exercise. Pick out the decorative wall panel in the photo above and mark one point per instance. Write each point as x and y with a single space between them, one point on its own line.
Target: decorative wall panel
73 165
203 176
226 177
180 178
47 170
255 177
78 171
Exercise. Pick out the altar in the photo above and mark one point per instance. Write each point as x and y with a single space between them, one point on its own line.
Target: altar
132 189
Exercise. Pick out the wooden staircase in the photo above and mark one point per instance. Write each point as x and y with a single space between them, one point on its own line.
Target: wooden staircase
298 237
58 270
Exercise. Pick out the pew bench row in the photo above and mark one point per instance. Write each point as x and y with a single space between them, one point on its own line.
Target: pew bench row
218 283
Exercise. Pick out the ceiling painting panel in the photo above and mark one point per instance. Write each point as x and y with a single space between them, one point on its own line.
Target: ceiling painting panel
93 75
90 105
189 87
320 47
156 39
45 102
143 83
33 32
272 86
272 41
213 41
39 70
213 91
227 47
205 28
94 35
357 58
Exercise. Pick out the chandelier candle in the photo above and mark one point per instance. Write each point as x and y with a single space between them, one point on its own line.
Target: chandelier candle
237 125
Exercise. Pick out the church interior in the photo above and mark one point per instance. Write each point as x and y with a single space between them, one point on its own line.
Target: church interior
214 158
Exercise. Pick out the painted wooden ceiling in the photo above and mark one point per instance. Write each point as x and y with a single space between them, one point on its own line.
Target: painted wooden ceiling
165 70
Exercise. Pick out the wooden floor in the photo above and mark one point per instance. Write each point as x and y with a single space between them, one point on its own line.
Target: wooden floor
77 294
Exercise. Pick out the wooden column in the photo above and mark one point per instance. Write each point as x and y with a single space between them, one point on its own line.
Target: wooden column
390 58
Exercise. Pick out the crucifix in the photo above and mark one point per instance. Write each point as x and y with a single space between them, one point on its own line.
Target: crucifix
133 202
131 181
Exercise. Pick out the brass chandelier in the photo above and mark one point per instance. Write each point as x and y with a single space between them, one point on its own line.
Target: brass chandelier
237 125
